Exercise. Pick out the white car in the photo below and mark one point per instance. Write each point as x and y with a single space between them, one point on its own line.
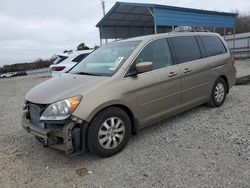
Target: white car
6 75
64 62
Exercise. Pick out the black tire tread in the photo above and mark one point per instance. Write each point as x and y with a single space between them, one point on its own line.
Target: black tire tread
212 103
92 142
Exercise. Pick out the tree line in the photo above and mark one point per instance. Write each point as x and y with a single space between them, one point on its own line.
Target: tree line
243 24
37 64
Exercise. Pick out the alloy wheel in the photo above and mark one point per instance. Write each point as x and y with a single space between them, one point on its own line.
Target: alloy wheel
111 133
219 92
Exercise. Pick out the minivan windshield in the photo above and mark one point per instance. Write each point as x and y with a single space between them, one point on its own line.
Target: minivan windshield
106 60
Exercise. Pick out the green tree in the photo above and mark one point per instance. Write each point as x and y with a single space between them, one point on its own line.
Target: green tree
67 51
82 46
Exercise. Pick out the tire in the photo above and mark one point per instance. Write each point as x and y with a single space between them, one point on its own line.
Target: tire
219 93
108 132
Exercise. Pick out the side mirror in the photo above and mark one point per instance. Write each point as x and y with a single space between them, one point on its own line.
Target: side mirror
143 67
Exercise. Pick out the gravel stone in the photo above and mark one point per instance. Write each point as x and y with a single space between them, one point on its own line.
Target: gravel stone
202 147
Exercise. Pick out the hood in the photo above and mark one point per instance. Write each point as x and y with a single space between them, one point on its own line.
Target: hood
65 86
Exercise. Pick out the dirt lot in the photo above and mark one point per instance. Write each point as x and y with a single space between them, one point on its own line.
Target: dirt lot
203 147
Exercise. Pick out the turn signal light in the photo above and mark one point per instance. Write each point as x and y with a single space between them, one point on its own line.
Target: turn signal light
232 61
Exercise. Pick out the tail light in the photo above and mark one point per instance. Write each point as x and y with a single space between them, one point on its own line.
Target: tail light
57 68
232 61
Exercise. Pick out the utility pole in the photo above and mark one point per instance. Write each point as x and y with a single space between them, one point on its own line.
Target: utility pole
103 10
103 7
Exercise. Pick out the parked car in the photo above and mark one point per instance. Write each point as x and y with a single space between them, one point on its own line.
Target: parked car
65 62
20 73
126 85
6 75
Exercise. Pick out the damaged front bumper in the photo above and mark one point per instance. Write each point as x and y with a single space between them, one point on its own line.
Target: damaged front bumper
69 137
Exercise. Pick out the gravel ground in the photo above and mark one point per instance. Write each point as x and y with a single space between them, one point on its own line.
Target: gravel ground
203 147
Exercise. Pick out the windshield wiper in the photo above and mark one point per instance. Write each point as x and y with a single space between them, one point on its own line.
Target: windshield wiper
87 73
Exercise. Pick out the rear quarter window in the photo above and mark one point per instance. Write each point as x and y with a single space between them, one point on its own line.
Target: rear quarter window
213 45
80 57
185 48
59 59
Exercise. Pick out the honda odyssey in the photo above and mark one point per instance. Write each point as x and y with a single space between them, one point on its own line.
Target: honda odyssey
126 85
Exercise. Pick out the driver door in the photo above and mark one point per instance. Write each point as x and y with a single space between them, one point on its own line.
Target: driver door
158 92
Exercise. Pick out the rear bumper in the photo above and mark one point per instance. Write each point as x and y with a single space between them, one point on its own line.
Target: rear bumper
69 137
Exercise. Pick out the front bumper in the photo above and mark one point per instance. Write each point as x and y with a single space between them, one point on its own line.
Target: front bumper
68 137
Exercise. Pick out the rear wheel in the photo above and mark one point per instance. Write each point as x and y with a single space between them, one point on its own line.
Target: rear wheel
219 93
109 132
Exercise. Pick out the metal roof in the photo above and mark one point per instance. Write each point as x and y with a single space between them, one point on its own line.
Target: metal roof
125 20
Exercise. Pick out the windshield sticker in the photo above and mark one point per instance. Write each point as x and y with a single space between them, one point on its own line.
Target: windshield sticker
116 63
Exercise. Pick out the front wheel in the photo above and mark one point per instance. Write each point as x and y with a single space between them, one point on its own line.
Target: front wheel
109 132
219 93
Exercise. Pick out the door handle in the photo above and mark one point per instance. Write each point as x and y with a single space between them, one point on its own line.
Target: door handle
172 74
186 70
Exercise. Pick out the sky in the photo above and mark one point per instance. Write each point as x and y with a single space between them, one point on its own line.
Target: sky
32 29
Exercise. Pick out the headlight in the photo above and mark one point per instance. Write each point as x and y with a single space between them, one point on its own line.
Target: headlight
62 109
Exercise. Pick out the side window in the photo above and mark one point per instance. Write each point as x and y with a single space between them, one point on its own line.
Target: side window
186 48
156 52
79 58
59 59
213 45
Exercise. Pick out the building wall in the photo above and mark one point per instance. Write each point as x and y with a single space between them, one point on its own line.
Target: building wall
188 18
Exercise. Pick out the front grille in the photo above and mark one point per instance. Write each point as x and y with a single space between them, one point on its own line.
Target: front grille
35 111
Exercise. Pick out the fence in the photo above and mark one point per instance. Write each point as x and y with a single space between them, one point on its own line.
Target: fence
39 71
241 46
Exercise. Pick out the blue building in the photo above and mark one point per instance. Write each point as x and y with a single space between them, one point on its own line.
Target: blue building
125 20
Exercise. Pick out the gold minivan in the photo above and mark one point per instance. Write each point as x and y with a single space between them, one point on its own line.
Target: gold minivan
126 85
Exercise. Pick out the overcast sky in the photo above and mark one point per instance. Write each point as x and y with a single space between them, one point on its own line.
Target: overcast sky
30 29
